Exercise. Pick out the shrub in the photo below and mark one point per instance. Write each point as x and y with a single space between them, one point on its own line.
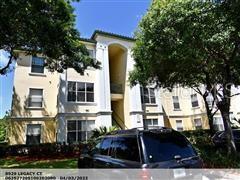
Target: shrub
213 157
3 129
97 132
44 150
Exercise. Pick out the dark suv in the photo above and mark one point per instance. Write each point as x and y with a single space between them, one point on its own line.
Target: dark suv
134 148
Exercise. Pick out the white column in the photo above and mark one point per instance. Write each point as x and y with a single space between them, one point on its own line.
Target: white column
61 129
103 81
103 120
159 107
135 98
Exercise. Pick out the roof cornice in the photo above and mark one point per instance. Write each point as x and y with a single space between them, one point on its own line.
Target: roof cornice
109 34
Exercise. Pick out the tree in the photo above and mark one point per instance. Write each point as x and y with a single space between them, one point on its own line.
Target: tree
4 126
191 43
101 131
45 27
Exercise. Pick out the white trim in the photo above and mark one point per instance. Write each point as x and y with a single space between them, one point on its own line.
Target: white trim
37 74
126 48
34 73
41 131
195 107
181 124
81 102
30 107
77 130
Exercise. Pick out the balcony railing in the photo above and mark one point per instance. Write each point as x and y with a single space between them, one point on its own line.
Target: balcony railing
116 88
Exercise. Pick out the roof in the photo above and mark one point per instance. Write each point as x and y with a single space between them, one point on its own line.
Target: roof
109 34
88 40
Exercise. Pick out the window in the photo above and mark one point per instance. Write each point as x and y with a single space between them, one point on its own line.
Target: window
79 130
150 122
194 100
148 95
198 123
37 65
80 92
176 104
126 148
209 101
179 125
166 146
33 134
35 98
105 147
91 53
218 123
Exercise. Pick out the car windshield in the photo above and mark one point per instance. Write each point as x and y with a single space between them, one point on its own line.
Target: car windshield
165 146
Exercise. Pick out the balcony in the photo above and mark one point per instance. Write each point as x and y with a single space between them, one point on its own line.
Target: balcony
116 91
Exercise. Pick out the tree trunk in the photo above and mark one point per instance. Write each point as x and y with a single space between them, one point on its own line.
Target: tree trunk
231 148
209 115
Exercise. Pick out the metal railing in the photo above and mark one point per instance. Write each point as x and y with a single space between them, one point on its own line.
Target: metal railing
118 119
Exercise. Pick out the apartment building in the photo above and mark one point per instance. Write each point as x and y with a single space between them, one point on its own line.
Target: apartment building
184 109
64 107
52 107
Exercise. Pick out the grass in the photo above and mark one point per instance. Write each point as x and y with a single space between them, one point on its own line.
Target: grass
12 162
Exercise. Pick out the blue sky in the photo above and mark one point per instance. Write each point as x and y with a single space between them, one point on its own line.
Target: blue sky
117 16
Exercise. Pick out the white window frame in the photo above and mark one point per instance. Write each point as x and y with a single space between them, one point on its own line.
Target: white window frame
149 95
218 123
76 101
31 72
91 53
77 130
194 101
195 123
209 99
176 101
28 103
41 131
182 128
151 120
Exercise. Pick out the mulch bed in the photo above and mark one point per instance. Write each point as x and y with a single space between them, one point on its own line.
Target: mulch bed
43 158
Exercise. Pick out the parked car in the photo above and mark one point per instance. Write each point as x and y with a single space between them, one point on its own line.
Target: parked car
220 138
135 148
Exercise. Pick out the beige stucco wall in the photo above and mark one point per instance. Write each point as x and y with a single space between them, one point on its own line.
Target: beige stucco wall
18 128
188 122
186 113
77 107
24 80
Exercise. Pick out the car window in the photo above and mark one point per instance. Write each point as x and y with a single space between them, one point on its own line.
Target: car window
105 146
126 148
165 146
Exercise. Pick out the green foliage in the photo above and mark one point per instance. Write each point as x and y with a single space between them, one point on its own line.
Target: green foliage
191 43
3 130
101 131
4 127
46 27
182 41
199 137
213 157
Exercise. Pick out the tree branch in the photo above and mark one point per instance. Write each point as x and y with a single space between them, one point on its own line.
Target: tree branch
235 94
215 111
4 69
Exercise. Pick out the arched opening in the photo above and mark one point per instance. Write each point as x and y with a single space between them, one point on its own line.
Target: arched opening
117 72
